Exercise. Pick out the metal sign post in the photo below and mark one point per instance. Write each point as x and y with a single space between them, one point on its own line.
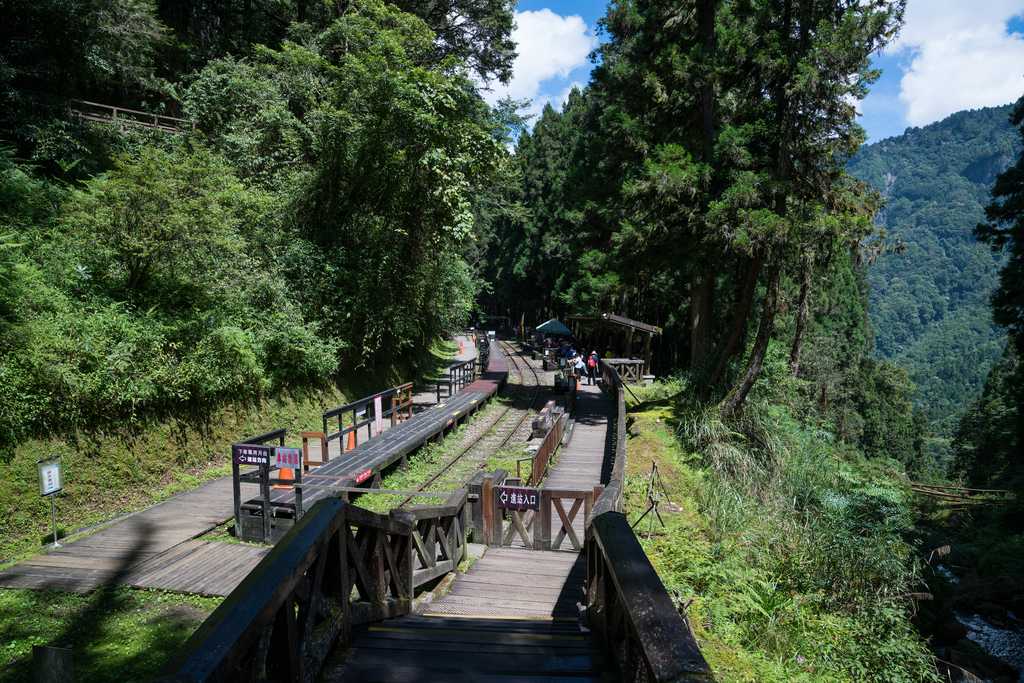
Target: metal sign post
51 482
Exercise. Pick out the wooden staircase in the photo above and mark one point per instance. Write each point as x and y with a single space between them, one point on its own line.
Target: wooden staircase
418 649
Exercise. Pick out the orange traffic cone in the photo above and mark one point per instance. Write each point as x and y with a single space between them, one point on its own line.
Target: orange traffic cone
460 346
351 440
284 473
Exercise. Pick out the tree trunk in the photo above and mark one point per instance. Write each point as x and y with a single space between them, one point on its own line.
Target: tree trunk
706 27
806 269
739 393
702 306
739 320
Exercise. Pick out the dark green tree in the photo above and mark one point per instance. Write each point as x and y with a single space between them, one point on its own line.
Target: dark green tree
1005 231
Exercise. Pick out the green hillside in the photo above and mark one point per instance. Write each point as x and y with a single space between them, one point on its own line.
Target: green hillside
929 305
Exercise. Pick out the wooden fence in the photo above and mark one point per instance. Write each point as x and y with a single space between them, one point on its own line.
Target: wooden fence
338 567
92 111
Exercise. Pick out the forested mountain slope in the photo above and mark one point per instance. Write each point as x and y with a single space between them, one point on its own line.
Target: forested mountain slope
929 305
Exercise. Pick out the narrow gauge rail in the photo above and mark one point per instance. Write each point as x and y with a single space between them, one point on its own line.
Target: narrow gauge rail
476 453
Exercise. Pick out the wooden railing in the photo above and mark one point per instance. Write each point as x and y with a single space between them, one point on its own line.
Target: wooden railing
92 111
340 566
281 622
626 600
630 371
541 460
646 637
439 536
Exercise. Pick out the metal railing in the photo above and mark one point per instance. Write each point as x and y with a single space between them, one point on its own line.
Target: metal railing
363 413
460 376
262 477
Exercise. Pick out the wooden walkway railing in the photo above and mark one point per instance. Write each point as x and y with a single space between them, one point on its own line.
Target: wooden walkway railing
92 111
339 566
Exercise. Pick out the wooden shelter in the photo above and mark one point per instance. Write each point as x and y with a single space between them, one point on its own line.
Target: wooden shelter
612 326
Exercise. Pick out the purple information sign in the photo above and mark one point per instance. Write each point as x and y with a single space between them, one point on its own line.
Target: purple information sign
252 455
516 498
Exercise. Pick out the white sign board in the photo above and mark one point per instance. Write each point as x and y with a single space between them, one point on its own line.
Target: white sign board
50 479
287 457
378 418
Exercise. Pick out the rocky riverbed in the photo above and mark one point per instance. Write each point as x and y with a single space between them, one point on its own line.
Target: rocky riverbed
975 621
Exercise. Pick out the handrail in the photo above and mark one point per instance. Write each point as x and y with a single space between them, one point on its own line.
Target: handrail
341 566
460 376
610 499
354 408
645 636
284 617
110 113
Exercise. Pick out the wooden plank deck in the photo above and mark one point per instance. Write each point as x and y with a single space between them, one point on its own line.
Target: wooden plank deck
201 567
371 457
152 548
103 556
515 615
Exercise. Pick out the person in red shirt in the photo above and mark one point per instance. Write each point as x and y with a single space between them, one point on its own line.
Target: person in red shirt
592 362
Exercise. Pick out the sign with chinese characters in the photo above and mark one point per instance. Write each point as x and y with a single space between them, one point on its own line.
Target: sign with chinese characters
50 473
364 476
516 498
378 417
289 458
252 455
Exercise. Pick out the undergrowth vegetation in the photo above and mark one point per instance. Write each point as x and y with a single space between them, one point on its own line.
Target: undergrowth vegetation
789 543
115 633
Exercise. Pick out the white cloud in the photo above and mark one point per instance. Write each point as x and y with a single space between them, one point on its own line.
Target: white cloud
550 46
961 57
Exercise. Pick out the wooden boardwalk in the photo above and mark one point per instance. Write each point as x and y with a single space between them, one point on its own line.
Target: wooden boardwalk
516 614
369 458
103 556
514 617
154 548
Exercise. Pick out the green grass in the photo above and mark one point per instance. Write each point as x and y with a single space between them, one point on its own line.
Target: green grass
789 544
111 474
115 633
107 475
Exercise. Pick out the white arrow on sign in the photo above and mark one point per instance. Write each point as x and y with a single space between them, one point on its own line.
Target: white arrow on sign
504 496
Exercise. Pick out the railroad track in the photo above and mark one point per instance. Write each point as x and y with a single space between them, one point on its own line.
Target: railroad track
493 436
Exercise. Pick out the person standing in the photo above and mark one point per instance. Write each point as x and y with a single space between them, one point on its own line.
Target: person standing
592 367
579 366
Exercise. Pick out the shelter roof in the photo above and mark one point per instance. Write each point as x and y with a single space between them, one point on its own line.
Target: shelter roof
617 320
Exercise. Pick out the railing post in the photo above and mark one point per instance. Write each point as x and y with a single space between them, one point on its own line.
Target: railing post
487 508
542 523
265 492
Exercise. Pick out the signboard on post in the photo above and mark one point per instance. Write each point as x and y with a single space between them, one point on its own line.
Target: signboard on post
51 482
287 458
51 475
517 498
378 417
244 454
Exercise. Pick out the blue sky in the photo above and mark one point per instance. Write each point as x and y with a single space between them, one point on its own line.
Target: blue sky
951 55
